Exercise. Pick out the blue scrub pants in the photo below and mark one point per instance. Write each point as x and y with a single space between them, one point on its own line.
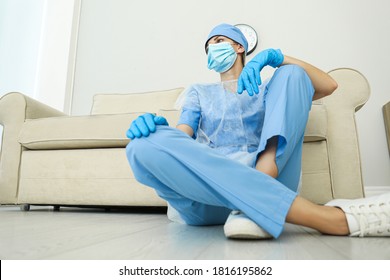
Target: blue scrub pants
204 186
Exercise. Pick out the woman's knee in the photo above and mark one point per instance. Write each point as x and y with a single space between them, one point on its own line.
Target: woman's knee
293 77
140 150
292 71
134 147
146 150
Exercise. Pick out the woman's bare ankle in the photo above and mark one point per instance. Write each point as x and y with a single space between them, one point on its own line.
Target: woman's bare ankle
337 222
325 219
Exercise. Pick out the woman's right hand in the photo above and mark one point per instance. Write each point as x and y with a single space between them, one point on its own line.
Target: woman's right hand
144 125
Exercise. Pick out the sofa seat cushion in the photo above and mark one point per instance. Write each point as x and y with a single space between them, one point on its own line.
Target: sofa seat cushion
98 131
109 131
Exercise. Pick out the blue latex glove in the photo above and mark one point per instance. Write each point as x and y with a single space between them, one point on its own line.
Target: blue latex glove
144 125
250 79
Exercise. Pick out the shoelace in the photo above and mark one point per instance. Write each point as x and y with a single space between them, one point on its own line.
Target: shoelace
379 225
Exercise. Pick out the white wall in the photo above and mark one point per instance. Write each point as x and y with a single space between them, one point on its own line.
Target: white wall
35 44
56 52
134 46
35 47
20 32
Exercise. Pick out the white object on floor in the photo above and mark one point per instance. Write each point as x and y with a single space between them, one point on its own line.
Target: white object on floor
239 226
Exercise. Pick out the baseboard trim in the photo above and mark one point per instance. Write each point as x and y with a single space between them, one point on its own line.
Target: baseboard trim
376 190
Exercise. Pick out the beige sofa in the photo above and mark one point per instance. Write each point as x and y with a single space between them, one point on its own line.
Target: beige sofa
49 158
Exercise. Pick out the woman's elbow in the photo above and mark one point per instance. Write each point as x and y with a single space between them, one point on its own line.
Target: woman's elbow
327 90
332 86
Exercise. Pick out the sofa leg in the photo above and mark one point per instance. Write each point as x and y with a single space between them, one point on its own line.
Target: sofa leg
25 207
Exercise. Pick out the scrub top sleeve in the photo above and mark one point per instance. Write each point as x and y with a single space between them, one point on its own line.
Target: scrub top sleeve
190 118
190 114
191 99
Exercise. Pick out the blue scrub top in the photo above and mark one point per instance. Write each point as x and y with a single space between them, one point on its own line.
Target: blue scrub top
226 121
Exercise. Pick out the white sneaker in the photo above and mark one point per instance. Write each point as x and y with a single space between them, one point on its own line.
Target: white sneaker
239 226
366 216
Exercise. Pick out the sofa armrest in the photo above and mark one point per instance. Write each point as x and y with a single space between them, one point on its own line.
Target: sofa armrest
15 108
342 137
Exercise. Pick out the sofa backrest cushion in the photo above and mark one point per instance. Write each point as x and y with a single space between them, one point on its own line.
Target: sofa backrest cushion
135 102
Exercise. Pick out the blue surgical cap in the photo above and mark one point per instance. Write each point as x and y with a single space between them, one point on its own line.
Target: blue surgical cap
229 31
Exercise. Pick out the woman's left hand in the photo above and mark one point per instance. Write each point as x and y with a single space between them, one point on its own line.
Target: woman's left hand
250 79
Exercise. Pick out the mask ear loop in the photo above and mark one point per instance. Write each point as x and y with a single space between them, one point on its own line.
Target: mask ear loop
243 55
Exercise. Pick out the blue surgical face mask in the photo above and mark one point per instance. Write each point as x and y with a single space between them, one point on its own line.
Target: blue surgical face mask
221 57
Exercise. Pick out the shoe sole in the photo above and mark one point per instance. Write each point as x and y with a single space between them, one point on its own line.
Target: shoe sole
237 232
245 236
